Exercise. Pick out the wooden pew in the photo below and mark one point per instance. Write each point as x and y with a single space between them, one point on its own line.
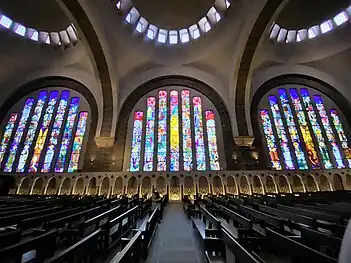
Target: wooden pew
262 218
131 253
150 230
10 237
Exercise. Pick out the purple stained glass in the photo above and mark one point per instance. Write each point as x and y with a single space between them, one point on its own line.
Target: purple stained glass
186 128
150 134
162 131
199 135
212 140
7 135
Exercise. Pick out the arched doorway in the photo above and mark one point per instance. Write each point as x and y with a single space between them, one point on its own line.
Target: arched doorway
338 185
38 187
105 187
92 187
174 191
244 185
270 185
297 184
24 187
146 187
65 188
189 186
79 187
132 188
231 185
118 187
257 185
161 185
217 187
203 185
51 188
311 184
324 185
283 185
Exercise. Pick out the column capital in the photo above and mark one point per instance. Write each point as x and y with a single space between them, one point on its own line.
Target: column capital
244 141
104 142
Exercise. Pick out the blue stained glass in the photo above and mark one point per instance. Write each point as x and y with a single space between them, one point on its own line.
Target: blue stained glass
33 126
7 135
199 135
19 133
149 134
212 140
67 135
186 126
136 141
283 139
162 132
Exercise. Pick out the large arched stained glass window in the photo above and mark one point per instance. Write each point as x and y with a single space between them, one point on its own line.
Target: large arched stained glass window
301 133
40 137
180 134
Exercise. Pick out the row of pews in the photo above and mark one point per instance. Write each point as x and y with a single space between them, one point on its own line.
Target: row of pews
55 229
292 228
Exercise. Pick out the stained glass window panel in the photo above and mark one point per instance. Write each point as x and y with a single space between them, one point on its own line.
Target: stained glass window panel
342 136
212 140
305 131
323 150
43 131
149 134
7 135
270 139
136 141
33 126
283 139
174 132
67 135
162 132
329 131
186 129
199 135
78 142
19 133
55 132
295 138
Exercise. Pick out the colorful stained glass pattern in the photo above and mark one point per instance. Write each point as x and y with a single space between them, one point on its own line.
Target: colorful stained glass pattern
78 142
55 132
67 135
136 141
162 131
342 136
289 118
323 149
43 131
7 135
174 132
33 126
19 133
199 135
212 140
283 139
305 131
186 129
270 139
329 131
149 134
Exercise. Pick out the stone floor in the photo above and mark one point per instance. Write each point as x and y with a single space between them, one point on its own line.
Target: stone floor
175 240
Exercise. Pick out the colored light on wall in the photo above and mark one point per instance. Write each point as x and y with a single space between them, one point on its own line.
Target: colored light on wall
162 132
32 130
283 139
55 132
136 141
18 135
199 135
43 131
342 136
149 134
78 142
212 140
289 118
186 129
270 139
7 135
174 131
323 149
305 131
329 131
67 135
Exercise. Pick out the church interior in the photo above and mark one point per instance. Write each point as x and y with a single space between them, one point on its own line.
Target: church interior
175 131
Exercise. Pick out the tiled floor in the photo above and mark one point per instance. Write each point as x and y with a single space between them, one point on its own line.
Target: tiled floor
175 240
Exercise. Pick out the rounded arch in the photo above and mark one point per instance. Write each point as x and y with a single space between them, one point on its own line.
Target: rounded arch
132 187
338 184
217 186
105 187
284 186
348 181
257 185
118 187
244 185
38 186
206 90
146 187
51 186
174 189
324 183
311 184
271 186
161 185
189 189
24 186
65 187
92 187
232 188
78 188
203 185
297 184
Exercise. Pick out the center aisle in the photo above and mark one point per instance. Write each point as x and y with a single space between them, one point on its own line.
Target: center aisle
175 240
